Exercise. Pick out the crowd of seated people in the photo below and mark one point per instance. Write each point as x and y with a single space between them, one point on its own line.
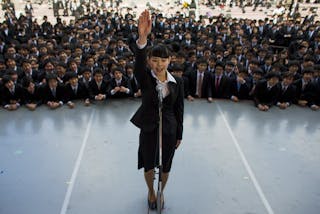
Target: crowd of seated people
92 59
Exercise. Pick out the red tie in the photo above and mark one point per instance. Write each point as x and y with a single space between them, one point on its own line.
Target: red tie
217 83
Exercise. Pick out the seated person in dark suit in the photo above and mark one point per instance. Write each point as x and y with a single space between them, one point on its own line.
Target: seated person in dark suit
267 66
3 67
266 92
12 94
293 67
27 71
220 83
240 86
177 70
229 70
136 91
75 90
199 81
306 90
98 87
288 91
48 69
85 77
119 85
317 83
31 94
12 65
256 76
14 76
61 69
52 93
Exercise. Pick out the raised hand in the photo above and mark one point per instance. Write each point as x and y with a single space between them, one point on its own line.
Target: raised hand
144 27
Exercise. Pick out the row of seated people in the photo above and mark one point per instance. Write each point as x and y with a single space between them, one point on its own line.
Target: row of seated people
266 89
55 93
225 81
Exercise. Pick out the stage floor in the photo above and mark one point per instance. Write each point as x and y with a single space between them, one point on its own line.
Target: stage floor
234 160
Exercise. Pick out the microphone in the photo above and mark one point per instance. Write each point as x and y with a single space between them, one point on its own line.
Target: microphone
160 95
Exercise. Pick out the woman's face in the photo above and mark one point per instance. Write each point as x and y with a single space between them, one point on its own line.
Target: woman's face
159 65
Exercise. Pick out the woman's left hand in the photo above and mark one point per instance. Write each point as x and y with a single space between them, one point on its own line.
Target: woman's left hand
178 143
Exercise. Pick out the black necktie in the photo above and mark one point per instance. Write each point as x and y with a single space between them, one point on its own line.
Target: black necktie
284 88
54 92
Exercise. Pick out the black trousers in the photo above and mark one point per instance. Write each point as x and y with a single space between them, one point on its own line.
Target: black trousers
148 154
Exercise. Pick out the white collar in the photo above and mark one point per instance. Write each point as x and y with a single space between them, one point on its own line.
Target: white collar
170 78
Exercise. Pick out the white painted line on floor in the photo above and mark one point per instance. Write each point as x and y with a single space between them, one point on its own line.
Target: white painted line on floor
247 165
77 166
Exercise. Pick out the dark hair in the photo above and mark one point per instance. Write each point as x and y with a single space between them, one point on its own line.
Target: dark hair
51 77
97 71
219 64
116 69
272 75
307 70
287 75
316 67
202 60
26 82
129 66
177 67
6 79
160 50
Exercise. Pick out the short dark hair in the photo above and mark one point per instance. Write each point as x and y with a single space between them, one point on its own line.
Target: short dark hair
202 60
287 75
50 77
116 69
97 71
26 82
308 70
160 50
177 67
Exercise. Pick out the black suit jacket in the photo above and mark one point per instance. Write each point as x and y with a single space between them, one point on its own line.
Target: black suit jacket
94 90
262 95
47 96
81 93
125 83
192 80
34 76
289 95
308 93
8 97
242 91
317 85
34 98
134 84
147 116
266 69
224 90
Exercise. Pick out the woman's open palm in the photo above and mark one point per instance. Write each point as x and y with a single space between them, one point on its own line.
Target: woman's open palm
144 27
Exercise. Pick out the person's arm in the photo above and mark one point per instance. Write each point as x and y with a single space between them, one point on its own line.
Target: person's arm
179 108
91 91
144 30
256 95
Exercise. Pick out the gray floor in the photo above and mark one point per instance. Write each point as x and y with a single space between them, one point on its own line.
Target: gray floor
234 159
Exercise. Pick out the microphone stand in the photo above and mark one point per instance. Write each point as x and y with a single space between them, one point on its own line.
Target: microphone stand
159 192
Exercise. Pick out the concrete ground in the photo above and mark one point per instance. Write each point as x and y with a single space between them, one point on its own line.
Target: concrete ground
234 160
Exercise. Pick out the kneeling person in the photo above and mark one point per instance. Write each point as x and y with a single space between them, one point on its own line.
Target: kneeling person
52 93
75 90
119 85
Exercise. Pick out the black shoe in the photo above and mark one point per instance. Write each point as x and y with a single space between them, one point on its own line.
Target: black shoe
152 205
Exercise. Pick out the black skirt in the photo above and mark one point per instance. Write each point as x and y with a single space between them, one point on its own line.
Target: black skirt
148 154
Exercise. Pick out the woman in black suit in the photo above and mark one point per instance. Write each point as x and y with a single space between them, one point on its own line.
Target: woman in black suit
151 73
